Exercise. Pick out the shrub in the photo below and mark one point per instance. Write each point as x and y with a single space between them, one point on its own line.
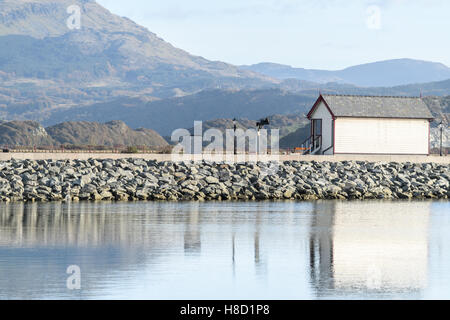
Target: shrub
131 149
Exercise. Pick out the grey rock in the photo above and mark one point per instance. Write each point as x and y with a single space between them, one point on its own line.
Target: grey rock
212 180
137 179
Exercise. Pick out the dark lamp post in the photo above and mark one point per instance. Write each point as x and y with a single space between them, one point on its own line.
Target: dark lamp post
234 136
441 128
260 124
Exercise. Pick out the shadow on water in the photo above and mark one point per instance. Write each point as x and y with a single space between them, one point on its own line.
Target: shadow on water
327 249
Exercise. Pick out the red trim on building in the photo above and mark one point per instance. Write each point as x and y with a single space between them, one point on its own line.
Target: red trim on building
320 99
409 118
334 135
429 137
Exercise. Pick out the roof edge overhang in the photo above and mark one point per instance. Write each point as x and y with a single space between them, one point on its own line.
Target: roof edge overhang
365 117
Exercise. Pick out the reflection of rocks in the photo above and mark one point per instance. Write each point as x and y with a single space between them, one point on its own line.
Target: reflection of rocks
111 241
79 225
358 246
138 179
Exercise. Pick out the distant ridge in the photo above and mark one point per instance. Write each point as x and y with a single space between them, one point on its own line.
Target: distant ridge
24 133
104 134
113 133
386 73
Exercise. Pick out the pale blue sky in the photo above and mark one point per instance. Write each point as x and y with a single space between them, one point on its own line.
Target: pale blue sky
322 34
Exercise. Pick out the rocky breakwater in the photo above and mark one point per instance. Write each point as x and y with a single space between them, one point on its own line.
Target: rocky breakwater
137 179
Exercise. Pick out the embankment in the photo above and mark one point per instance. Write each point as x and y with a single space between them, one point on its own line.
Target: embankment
139 179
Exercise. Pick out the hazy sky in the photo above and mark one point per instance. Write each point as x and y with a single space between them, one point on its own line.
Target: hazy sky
323 34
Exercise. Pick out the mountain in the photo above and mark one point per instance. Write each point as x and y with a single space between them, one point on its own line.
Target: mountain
296 138
285 123
378 74
24 133
114 133
45 65
395 72
440 108
166 115
163 115
439 88
104 134
35 33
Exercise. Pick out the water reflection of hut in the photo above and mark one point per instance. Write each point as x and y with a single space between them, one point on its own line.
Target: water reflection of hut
321 245
259 260
439 252
192 240
358 246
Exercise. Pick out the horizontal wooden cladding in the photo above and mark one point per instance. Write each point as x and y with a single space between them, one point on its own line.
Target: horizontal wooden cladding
381 136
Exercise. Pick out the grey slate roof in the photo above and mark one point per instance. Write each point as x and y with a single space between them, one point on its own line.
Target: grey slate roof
377 107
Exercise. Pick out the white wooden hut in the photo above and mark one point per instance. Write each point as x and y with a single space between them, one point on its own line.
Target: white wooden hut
345 124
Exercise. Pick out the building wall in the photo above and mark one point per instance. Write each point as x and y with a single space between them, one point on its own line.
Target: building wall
381 136
322 112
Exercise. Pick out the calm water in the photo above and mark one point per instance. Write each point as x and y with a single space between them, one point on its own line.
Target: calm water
226 250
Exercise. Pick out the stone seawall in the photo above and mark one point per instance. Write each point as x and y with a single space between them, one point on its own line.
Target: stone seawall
138 179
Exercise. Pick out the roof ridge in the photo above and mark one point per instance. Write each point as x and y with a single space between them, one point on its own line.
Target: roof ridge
369 96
